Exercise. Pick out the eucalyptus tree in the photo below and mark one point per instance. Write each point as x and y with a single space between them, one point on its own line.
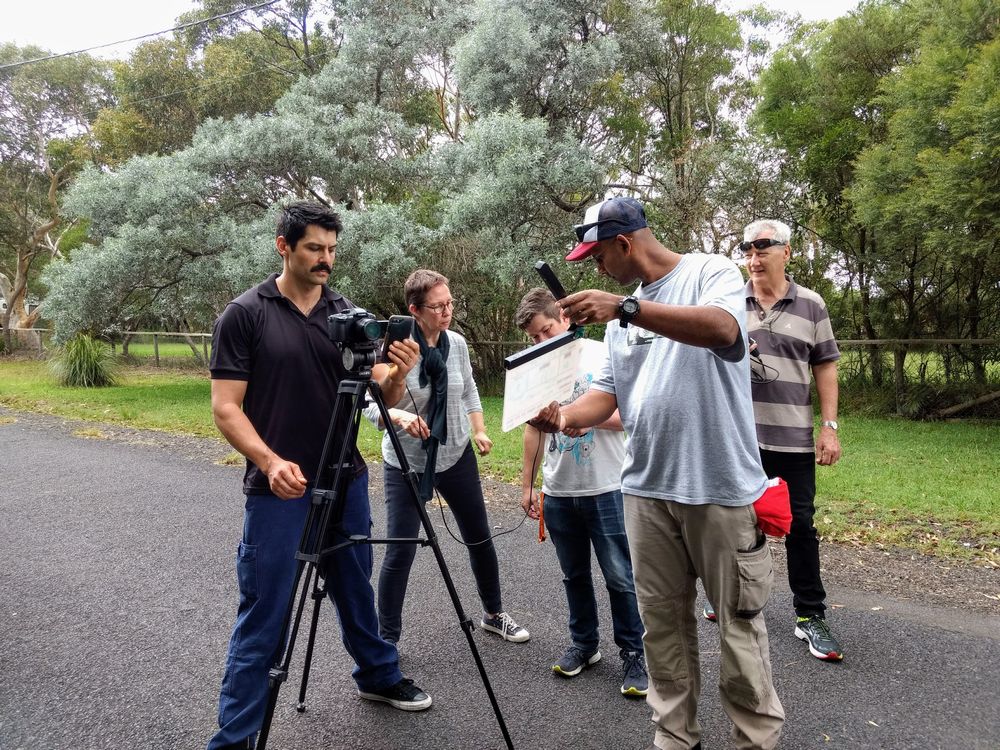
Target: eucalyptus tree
48 108
299 36
680 58
167 88
930 190
170 231
820 106
160 248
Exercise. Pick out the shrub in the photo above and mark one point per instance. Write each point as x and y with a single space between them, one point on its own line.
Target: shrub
84 362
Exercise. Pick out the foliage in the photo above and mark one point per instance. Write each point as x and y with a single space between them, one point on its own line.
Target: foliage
888 120
468 136
44 141
84 362
933 181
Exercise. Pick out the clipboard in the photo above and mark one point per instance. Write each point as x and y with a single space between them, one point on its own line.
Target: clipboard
539 375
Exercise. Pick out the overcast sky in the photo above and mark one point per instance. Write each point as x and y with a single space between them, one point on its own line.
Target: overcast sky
69 25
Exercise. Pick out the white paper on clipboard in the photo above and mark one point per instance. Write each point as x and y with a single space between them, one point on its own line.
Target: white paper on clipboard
531 386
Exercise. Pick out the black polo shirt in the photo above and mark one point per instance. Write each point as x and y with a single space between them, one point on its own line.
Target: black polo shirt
289 364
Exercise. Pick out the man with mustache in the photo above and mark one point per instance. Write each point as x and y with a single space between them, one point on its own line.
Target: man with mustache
274 385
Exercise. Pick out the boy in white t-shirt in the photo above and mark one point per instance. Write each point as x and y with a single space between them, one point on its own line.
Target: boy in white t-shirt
581 484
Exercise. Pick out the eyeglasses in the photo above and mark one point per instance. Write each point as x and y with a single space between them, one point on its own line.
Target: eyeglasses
440 307
759 244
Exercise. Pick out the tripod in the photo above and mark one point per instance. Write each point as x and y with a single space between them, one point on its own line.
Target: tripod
321 528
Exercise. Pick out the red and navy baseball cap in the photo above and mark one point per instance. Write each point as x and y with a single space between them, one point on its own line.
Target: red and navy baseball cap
604 220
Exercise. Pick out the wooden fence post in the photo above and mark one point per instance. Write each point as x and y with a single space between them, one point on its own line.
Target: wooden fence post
156 349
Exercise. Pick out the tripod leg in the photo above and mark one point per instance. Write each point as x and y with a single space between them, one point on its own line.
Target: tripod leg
432 542
279 672
463 620
318 594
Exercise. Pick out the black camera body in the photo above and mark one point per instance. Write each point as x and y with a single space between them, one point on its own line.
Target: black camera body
356 334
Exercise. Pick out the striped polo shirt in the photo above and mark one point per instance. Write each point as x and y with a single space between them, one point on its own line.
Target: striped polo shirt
791 337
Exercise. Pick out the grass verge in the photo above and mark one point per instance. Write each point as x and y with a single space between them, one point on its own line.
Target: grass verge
926 486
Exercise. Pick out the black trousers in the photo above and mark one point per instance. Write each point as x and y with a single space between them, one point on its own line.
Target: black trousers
802 543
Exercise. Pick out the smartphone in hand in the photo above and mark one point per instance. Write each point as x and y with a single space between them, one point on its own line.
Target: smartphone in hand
398 328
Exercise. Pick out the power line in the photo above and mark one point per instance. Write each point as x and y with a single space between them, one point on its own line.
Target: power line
144 36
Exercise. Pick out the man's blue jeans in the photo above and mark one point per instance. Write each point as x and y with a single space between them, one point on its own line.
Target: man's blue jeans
574 523
265 566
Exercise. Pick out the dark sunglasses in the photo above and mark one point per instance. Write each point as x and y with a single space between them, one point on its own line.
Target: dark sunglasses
582 229
760 244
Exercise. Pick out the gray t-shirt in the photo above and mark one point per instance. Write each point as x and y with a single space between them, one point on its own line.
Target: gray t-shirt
463 399
687 409
592 463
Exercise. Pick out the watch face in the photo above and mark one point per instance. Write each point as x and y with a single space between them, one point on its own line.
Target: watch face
630 306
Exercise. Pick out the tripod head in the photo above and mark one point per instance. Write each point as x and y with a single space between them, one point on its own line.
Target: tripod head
356 333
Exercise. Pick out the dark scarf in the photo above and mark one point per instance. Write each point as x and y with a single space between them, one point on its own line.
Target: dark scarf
433 370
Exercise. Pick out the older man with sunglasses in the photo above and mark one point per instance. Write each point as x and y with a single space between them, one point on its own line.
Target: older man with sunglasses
794 337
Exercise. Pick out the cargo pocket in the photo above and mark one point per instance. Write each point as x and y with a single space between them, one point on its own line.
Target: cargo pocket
756 574
246 570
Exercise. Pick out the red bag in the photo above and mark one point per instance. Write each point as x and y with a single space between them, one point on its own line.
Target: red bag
774 509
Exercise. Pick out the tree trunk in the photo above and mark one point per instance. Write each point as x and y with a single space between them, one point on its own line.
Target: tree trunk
968 404
198 356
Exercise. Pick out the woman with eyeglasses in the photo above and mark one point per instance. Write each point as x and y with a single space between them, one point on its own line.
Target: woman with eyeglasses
438 414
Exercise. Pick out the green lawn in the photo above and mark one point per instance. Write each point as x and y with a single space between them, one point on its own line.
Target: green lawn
919 485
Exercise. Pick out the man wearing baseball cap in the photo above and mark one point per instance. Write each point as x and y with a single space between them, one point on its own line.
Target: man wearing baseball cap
678 372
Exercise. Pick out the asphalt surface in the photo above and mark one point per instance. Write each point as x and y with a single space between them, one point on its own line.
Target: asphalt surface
117 593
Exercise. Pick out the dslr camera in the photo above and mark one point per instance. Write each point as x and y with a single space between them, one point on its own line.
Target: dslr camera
356 334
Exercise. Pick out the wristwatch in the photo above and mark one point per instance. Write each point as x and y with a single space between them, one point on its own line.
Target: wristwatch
628 308
831 423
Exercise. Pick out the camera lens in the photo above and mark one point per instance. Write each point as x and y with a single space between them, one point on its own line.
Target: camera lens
370 329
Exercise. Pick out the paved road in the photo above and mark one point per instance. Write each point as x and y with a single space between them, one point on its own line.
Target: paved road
117 591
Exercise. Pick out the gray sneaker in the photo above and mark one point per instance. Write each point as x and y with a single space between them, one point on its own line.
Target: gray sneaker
575 661
504 626
636 682
814 631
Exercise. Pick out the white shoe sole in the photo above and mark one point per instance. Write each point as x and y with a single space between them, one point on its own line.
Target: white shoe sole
832 656
586 665
520 638
401 705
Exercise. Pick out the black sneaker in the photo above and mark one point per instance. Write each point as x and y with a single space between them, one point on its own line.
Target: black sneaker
814 631
575 661
636 682
404 695
504 626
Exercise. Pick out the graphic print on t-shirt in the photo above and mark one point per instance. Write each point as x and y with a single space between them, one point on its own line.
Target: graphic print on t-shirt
581 447
636 336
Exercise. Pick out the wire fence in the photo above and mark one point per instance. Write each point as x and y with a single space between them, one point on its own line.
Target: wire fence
913 377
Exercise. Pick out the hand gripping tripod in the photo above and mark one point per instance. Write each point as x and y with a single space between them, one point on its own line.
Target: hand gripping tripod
321 537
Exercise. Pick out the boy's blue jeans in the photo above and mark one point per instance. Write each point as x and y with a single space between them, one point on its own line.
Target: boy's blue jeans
576 523
265 567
